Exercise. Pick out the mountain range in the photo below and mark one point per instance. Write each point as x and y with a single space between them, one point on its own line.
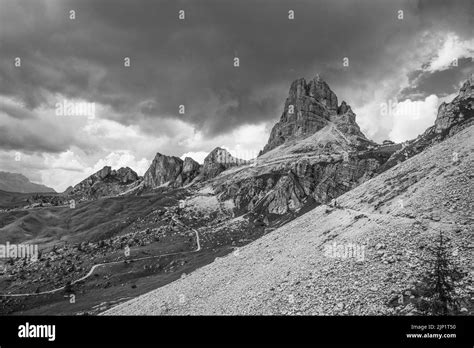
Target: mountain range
263 223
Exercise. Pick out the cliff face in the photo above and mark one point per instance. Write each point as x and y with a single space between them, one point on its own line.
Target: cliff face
457 115
309 108
190 170
163 169
218 161
105 182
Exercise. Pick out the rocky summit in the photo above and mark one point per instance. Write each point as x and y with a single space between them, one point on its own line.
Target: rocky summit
309 108
163 170
217 161
170 171
105 182
174 172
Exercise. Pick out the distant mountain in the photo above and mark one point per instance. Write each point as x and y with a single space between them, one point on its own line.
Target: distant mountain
174 172
15 182
106 182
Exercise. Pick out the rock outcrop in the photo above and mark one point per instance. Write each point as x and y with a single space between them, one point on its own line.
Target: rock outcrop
163 170
105 182
218 161
174 172
309 108
189 172
170 171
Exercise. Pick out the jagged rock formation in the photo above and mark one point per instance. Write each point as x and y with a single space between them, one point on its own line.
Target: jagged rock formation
346 123
452 117
315 153
309 108
163 169
217 161
15 182
173 171
106 182
190 171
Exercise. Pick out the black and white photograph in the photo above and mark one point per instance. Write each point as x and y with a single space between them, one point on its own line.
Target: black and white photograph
194 160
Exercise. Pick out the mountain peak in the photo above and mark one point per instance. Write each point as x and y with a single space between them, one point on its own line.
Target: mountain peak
310 107
163 169
104 182
217 161
218 155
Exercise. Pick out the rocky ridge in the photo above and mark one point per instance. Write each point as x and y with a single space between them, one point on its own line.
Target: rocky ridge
174 172
105 182
218 161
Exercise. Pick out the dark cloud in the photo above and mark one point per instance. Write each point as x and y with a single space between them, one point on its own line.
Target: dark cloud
440 83
190 62
31 140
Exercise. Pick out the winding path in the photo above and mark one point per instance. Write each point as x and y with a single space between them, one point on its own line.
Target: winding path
91 271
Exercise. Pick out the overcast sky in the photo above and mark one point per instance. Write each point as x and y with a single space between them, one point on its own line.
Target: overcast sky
190 62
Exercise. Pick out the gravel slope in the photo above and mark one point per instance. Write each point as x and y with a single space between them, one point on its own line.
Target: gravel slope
393 216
